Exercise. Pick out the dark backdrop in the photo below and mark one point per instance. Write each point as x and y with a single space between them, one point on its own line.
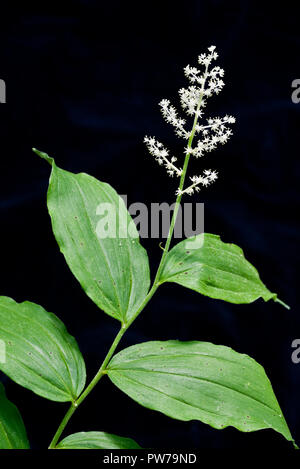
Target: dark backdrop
83 82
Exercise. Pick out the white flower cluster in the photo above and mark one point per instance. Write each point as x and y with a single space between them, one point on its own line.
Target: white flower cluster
213 133
193 100
207 178
160 153
170 114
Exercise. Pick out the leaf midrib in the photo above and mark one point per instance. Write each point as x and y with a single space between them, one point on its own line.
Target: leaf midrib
103 251
201 379
191 268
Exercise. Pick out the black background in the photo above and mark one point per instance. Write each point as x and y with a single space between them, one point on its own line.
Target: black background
83 82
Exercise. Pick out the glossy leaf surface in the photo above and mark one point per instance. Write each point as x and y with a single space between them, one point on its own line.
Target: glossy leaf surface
40 354
201 381
215 269
99 241
12 429
96 440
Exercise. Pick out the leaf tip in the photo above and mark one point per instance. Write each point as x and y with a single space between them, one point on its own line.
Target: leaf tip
43 155
277 300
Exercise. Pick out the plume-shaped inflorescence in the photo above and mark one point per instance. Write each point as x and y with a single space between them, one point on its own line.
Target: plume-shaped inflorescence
215 131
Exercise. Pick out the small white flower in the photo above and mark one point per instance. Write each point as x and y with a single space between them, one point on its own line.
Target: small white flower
170 114
179 192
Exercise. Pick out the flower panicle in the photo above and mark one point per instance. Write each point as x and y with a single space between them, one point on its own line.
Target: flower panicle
193 99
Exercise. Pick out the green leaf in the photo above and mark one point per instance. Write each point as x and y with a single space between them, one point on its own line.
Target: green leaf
201 381
40 354
216 269
107 259
12 429
96 440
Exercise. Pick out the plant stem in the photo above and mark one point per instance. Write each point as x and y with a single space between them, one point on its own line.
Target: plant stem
62 425
173 220
88 389
124 328
177 203
151 292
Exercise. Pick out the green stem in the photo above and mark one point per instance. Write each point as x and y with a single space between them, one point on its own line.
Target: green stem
179 196
151 292
174 216
124 328
62 425
88 389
